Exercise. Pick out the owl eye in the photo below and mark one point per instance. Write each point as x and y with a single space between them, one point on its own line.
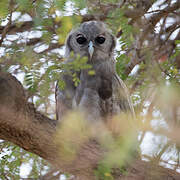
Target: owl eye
100 39
81 40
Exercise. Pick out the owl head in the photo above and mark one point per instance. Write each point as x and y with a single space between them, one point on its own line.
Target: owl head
91 39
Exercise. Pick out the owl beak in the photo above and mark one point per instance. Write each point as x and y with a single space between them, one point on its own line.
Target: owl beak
90 49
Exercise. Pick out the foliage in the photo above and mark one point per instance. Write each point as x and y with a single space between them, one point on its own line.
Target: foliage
13 158
32 41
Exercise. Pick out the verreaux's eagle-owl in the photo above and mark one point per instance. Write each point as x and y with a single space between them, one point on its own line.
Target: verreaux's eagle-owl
100 95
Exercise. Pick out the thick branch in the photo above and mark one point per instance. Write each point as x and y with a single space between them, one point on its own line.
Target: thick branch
21 124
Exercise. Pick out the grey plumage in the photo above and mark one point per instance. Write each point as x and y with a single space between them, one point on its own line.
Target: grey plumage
100 95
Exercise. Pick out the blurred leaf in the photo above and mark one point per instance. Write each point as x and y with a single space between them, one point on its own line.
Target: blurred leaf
72 133
122 61
67 23
24 5
60 4
4 8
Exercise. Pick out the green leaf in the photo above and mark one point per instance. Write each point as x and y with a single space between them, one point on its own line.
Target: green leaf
24 5
4 8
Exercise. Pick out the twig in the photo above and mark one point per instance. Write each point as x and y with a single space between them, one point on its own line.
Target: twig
164 71
5 30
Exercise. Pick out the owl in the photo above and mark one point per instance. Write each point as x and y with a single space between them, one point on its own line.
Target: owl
102 94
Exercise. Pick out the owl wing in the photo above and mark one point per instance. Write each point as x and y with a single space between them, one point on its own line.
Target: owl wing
120 97
64 98
61 108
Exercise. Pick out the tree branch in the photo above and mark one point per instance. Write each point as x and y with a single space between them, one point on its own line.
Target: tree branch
21 124
155 18
5 30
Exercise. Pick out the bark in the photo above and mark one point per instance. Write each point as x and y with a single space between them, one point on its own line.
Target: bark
23 125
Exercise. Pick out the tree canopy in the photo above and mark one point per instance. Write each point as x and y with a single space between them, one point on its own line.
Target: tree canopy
32 38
